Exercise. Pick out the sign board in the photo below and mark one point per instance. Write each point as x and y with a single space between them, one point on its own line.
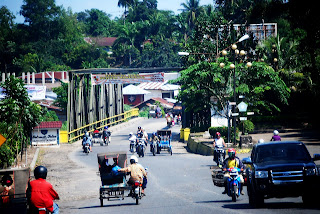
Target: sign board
45 137
2 139
243 118
35 92
235 114
127 78
242 107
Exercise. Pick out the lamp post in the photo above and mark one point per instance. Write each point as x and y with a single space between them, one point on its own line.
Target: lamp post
232 66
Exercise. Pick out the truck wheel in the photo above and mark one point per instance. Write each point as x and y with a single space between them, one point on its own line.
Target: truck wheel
101 202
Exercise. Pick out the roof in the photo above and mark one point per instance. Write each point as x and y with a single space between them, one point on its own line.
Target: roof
49 125
163 102
159 86
132 90
101 41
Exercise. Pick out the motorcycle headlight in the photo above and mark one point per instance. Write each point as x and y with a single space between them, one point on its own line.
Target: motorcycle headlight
310 172
261 174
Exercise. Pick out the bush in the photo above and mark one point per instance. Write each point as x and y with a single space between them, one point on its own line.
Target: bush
144 112
223 131
246 126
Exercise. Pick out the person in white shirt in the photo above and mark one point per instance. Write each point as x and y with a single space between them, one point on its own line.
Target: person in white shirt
218 143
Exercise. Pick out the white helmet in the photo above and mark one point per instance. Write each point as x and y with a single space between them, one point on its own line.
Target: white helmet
260 141
275 132
130 133
133 159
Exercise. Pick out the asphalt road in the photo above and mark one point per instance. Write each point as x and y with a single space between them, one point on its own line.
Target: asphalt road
180 183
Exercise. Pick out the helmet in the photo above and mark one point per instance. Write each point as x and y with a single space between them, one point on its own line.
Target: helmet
275 132
6 180
232 153
218 134
130 134
154 134
260 141
40 172
139 127
106 127
86 134
133 159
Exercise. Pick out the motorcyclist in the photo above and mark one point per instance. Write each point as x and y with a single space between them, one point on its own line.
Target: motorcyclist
41 192
6 189
218 142
132 138
139 132
231 162
106 134
86 139
275 136
137 172
154 140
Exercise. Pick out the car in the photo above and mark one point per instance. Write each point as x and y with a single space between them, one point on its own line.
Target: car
279 170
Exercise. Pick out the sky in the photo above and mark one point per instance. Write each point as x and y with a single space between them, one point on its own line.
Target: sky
108 6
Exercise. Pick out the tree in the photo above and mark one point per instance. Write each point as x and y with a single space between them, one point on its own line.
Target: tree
62 96
7 44
18 116
192 8
126 4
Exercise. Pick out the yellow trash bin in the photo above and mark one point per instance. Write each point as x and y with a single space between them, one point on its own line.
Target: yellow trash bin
181 134
63 136
186 134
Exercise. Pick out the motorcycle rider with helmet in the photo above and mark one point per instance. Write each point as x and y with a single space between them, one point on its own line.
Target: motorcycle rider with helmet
275 136
231 162
137 172
86 139
106 134
41 193
218 142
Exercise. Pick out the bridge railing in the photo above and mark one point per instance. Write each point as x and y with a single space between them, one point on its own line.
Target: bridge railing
79 132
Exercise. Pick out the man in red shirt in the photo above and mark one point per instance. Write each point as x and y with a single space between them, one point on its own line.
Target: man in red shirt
42 192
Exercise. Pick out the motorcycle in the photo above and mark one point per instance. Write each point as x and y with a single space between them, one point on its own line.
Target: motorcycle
106 141
132 146
136 191
86 148
233 184
220 155
153 147
140 148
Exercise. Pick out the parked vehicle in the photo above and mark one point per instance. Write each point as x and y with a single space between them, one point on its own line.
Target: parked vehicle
281 169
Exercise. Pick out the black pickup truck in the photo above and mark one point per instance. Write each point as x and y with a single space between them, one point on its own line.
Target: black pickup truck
281 169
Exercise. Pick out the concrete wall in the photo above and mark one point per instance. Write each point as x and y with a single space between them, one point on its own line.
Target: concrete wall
199 147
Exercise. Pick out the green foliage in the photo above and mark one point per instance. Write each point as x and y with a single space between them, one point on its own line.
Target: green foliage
62 96
50 116
19 116
126 107
246 126
224 132
144 112
64 126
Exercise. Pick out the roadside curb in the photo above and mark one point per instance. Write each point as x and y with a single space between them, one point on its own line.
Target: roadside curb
34 160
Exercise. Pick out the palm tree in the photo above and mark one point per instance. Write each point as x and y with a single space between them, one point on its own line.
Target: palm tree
192 8
125 4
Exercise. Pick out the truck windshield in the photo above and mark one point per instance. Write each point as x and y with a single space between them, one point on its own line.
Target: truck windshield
282 152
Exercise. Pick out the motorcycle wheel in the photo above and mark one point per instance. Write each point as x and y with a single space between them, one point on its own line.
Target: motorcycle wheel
234 191
154 151
137 199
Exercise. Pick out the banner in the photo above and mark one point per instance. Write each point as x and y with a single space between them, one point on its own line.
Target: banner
35 92
127 78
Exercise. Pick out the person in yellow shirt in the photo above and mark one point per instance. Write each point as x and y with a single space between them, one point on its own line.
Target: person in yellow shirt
232 162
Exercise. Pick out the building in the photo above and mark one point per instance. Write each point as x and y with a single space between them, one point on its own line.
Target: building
133 95
160 89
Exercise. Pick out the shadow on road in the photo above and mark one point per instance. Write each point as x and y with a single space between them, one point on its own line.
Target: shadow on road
271 206
105 206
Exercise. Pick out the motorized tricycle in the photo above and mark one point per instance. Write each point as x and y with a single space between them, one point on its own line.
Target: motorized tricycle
165 141
114 186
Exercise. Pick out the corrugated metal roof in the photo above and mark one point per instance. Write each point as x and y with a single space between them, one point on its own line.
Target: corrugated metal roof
159 86
131 90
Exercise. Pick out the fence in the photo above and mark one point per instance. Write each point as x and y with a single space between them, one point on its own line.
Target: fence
101 123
